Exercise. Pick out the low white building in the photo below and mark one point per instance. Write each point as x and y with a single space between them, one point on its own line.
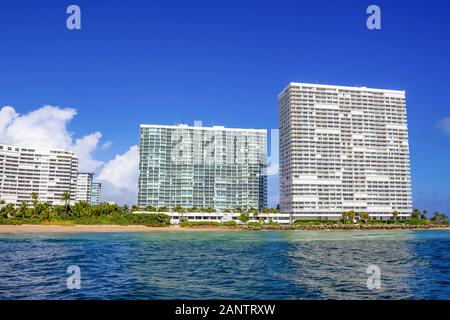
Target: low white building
221 217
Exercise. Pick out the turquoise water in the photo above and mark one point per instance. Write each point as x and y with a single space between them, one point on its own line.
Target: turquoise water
227 265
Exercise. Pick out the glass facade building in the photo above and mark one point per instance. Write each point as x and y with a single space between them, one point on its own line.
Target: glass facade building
96 192
202 167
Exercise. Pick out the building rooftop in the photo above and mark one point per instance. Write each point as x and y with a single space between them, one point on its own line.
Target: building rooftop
213 128
329 86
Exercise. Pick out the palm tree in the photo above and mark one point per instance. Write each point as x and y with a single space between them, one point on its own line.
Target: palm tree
150 208
243 217
352 215
23 210
254 212
424 214
178 209
395 215
34 198
35 202
344 217
2 204
436 216
9 211
66 199
415 214
364 216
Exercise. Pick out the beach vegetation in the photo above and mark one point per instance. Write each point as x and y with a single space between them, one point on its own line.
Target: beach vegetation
244 217
80 213
254 224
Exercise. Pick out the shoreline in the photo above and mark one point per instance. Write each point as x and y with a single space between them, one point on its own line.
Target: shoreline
41 228
97 228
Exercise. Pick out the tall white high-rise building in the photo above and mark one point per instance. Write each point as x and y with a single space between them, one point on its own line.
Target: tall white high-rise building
48 173
202 167
343 149
84 186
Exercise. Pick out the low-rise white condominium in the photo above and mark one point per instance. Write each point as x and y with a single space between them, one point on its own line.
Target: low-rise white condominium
202 167
343 149
84 187
48 173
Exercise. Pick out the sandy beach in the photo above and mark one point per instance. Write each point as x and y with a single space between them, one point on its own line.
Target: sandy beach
28 228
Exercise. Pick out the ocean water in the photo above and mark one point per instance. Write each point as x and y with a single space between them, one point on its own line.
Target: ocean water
227 265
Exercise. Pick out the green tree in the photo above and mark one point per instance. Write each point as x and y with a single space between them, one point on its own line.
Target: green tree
344 217
244 217
23 212
66 199
364 216
150 209
395 215
424 214
415 214
253 212
37 207
351 215
163 209
34 198
210 210
8 211
436 216
46 212
2 204
81 209
178 209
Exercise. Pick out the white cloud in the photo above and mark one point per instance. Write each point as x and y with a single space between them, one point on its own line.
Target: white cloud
120 177
83 148
444 124
106 145
46 127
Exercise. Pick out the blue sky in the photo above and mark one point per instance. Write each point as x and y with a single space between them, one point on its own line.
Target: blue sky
224 62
